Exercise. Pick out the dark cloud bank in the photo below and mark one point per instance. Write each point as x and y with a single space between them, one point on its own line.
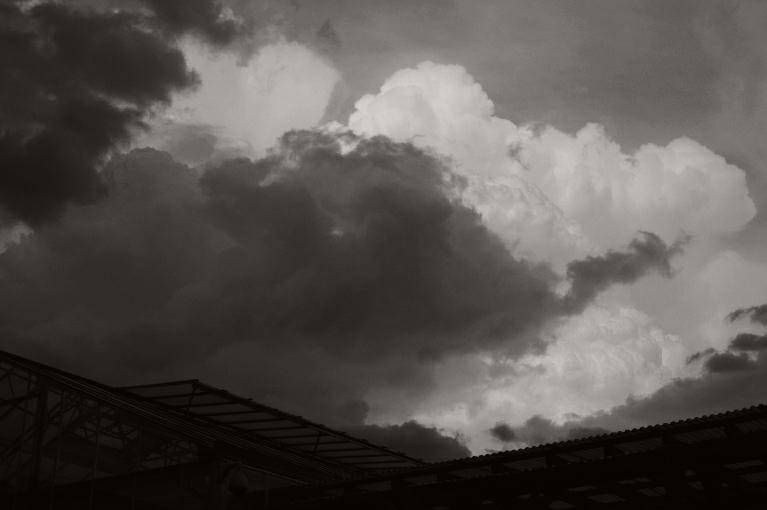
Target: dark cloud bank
732 379
77 80
305 278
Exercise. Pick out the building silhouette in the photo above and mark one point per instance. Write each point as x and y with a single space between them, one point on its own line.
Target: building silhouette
67 442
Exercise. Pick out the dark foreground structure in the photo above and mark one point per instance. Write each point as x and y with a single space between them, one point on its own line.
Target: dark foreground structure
70 443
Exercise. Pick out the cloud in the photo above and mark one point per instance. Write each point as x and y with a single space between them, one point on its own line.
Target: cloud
527 221
342 258
679 187
592 193
572 198
592 361
592 275
442 108
381 251
503 433
432 266
733 378
749 342
360 258
709 282
728 362
427 443
757 314
539 430
208 18
77 83
12 235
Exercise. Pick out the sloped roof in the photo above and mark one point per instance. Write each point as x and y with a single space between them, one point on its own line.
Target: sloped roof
208 406
264 438
681 459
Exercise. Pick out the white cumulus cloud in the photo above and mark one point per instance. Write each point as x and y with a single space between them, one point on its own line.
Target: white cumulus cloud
593 362
582 192
679 187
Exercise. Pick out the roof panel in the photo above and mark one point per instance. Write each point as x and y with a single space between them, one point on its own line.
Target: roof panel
214 406
182 411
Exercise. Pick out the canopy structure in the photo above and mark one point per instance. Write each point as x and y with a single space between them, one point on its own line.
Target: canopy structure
200 403
69 442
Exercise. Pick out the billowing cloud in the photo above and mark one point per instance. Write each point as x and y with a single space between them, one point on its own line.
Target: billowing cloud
502 432
528 222
733 378
558 197
77 81
430 267
443 108
592 361
208 18
359 255
668 190
594 194
346 255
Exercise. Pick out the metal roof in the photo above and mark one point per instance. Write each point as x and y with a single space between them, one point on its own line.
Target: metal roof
727 450
208 406
37 401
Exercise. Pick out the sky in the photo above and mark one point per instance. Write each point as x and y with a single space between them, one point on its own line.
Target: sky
448 226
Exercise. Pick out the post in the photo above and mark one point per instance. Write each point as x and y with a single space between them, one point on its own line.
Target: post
41 418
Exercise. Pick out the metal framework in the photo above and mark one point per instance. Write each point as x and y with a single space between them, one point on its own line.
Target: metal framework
67 442
209 406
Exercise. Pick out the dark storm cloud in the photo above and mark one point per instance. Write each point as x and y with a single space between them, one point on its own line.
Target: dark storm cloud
56 121
76 82
728 362
373 249
207 18
757 314
749 342
700 355
352 267
426 443
307 257
503 432
593 274
539 430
